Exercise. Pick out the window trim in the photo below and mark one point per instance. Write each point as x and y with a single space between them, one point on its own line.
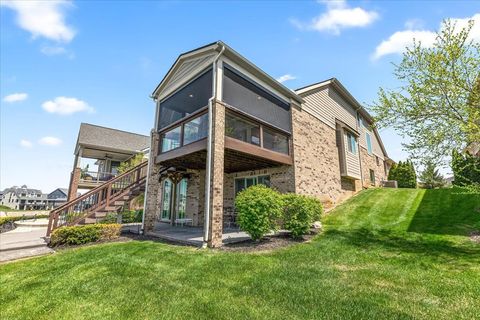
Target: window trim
368 141
349 144
248 177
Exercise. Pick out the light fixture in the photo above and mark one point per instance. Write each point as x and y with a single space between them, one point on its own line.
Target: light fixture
190 95
259 98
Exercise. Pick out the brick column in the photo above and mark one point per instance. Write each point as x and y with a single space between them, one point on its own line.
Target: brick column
153 187
216 194
73 187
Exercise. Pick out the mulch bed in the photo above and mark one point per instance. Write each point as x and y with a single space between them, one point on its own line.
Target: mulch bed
266 244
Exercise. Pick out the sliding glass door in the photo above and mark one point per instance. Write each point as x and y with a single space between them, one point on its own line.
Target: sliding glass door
168 198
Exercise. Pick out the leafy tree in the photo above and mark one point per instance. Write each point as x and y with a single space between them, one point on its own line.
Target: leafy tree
466 169
130 163
430 177
404 174
437 103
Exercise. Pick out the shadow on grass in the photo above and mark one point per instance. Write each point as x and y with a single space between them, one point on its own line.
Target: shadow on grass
426 245
451 211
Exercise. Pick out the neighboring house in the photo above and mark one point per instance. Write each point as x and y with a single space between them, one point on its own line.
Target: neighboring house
473 149
317 140
57 198
109 147
24 198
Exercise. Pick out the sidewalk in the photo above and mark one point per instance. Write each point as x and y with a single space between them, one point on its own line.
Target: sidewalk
22 242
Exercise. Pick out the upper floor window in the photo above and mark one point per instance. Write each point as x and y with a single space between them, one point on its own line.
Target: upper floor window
238 128
171 139
351 143
369 142
251 98
185 101
196 129
275 141
378 160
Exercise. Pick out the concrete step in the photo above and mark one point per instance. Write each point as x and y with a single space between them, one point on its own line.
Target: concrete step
32 223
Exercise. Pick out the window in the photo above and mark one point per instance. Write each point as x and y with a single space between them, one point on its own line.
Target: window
369 142
171 139
187 100
372 177
243 183
195 130
275 141
351 143
249 97
378 160
238 128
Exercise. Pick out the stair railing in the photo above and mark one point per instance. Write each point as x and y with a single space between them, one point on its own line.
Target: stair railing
100 197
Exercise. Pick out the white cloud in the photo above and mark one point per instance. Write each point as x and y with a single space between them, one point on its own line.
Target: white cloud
400 40
286 77
50 141
66 105
15 97
26 143
43 18
338 16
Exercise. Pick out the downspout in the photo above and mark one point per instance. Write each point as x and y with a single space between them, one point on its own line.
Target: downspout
148 170
208 171
359 149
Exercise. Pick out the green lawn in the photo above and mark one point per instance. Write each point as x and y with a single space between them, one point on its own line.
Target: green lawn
386 254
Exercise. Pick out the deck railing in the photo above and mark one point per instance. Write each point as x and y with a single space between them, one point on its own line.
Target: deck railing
101 197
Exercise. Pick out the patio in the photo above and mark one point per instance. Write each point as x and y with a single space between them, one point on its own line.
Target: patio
193 235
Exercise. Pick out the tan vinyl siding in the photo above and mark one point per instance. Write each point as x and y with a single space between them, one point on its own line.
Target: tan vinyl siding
376 149
326 105
352 160
185 72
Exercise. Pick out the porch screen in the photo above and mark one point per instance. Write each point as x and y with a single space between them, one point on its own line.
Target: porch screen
246 96
187 100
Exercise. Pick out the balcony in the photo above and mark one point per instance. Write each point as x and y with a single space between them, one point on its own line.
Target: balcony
249 144
91 179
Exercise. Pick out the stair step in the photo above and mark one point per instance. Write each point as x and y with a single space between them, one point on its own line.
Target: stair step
119 203
101 214
89 220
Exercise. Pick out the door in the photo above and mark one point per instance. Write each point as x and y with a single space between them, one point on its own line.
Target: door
166 200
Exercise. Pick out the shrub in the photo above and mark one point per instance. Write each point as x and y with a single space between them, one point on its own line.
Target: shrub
300 212
259 209
4 220
84 234
128 216
404 174
466 169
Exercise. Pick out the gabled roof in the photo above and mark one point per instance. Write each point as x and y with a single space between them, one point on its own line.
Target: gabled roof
91 135
338 86
62 190
215 48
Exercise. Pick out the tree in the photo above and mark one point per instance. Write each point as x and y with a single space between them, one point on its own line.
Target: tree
130 163
404 174
430 177
466 169
437 103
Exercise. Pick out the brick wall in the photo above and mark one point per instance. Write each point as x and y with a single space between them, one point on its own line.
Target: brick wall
369 162
154 193
316 160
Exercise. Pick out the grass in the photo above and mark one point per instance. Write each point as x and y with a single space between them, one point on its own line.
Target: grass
379 258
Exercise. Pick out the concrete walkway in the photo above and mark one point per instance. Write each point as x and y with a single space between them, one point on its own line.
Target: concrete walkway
24 241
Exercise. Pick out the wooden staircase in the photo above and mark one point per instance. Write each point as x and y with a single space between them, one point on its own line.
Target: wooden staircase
110 196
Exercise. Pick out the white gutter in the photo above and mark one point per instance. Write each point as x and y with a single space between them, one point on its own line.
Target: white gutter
208 171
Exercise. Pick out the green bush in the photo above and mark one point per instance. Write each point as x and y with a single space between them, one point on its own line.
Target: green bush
466 169
258 208
84 234
4 220
300 212
404 173
129 216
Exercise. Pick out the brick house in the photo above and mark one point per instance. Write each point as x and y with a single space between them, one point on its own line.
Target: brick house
316 140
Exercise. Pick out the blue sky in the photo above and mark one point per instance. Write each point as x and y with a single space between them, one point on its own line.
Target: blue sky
63 63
